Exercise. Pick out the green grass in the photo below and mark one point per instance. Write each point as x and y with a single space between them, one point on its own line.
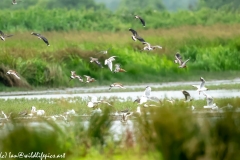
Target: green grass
41 66
171 132
59 106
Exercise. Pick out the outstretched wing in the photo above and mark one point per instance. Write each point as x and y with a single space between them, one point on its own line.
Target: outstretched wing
133 31
35 34
45 40
140 38
186 94
142 21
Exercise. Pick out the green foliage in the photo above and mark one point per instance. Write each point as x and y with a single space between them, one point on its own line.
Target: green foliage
168 131
39 19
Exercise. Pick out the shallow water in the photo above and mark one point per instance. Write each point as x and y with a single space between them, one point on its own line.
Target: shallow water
134 95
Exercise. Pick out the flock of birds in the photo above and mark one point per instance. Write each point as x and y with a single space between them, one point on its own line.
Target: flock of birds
142 101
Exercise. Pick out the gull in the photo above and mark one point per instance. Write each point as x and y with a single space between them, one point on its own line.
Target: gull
89 79
135 35
13 73
210 103
106 51
201 87
94 102
187 96
116 85
142 21
38 112
73 76
118 68
149 47
3 36
182 64
146 96
95 60
41 37
109 62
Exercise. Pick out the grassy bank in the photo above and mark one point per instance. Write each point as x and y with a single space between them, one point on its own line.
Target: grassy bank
213 52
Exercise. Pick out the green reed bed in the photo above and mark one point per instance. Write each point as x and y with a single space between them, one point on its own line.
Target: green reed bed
42 66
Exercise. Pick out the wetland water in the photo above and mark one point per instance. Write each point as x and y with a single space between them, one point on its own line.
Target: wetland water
83 91
132 95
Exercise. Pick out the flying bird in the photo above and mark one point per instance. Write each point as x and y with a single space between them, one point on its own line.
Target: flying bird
187 96
89 79
118 68
13 73
3 36
73 76
95 60
109 62
149 47
41 37
106 51
142 21
178 59
135 35
116 85
201 87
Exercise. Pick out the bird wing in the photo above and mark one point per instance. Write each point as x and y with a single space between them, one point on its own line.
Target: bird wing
110 65
142 21
45 40
139 38
184 63
147 92
35 34
186 94
178 58
146 43
133 31
157 46
202 83
197 86
98 63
